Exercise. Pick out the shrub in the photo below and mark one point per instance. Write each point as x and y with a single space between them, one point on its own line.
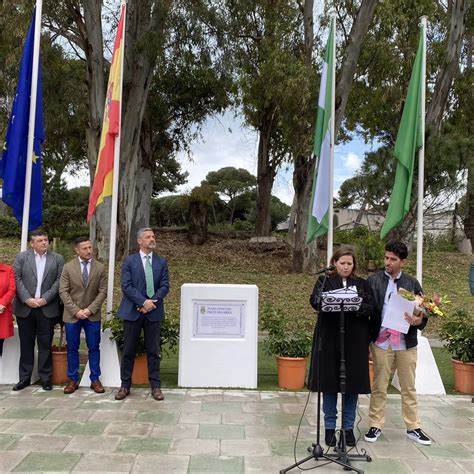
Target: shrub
369 248
169 334
243 225
287 337
9 228
457 334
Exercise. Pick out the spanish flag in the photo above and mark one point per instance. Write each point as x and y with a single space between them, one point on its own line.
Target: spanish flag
102 185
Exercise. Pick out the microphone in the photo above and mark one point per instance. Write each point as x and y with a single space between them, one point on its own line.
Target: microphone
327 269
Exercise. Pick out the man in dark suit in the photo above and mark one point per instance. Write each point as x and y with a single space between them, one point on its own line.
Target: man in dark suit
145 284
36 307
83 289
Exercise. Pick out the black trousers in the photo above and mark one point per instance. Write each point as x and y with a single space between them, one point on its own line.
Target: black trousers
36 327
1 346
131 333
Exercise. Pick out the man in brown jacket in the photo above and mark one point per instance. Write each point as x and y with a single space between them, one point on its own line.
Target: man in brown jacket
83 289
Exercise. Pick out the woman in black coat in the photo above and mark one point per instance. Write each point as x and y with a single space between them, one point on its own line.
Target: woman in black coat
325 362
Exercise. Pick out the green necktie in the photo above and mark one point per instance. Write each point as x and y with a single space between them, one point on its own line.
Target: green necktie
150 287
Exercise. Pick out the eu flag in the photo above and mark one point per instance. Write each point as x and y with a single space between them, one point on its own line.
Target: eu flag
13 160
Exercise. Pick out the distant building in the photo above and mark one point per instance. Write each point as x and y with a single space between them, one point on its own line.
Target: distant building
435 223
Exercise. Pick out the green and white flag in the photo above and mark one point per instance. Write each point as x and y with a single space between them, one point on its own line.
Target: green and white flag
409 140
318 219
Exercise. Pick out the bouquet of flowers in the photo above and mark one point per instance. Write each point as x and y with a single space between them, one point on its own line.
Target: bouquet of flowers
431 306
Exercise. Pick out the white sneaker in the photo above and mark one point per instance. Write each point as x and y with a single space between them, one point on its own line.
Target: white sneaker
418 436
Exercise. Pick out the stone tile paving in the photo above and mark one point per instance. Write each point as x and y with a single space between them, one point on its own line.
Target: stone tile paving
212 431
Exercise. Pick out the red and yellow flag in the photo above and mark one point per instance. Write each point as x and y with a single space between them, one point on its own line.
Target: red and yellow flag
102 185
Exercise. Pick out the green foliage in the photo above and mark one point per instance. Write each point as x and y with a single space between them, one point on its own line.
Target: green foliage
169 334
369 248
279 212
287 336
9 227
243 225
457 333
231 182
169 211
204 194
440 243
59 221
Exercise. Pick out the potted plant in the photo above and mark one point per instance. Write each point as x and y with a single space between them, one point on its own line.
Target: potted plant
290 340
169 335
59 357
457 333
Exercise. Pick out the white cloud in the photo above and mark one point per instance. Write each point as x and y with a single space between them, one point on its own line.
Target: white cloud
352 161
225 143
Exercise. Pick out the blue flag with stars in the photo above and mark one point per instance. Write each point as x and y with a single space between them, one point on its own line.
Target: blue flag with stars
13 160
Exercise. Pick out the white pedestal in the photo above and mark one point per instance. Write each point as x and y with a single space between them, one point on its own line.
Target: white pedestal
428 379
109 363
218 336
10 359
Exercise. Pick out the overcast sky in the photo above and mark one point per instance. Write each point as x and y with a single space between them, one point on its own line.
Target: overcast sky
226 142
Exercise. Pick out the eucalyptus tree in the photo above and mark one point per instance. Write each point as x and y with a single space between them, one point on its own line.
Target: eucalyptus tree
63 96
375 106
264 39
173 79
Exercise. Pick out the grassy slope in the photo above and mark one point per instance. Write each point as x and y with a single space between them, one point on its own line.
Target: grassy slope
232 261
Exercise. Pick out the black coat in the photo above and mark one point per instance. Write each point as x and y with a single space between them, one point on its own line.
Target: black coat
357 339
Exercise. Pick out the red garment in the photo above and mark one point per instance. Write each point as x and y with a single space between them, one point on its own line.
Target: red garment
7 293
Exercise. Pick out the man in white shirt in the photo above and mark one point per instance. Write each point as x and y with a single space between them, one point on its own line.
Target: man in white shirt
36 307
394 349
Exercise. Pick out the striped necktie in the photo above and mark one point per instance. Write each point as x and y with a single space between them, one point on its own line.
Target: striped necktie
85 273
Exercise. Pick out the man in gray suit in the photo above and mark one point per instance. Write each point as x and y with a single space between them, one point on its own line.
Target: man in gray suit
36 307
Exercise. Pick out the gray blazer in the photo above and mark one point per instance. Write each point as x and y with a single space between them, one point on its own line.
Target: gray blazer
26 278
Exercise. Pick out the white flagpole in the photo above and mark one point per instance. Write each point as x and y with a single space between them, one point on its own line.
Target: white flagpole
31 126
330 244
421 164
115 184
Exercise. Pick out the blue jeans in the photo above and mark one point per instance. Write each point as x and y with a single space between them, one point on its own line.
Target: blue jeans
73 338
330 410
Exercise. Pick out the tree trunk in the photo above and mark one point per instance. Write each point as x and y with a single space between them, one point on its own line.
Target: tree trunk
302 183
265 177
292 222
469 221
90 29
145 21
304 258
304 167
434 114
198 221
351 56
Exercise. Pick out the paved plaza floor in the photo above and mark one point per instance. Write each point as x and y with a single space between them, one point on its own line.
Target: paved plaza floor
211 431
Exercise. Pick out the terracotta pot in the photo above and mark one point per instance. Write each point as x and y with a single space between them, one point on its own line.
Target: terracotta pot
59 375
140 370
463 376
291 372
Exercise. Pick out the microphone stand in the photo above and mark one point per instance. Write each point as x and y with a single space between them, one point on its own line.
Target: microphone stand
340 456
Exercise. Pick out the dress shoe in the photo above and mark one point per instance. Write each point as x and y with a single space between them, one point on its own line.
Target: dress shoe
20 385
71 387
97 386
157 394
122 393
47 386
